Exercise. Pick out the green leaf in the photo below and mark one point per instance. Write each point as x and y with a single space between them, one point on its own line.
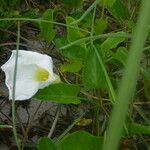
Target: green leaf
80 140
85 22
73 32
74 52
135 128
60 93
47 31
45 143
119 10
108 2
73 66
121 55
112 42
72 3
61 41
100 26
93 76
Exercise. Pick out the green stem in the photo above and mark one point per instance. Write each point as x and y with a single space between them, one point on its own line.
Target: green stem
109 84
127 87
6 126
86 12
94 38
41 20
14 89
72 43
92 25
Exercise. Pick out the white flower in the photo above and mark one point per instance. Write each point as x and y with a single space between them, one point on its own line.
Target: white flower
34 71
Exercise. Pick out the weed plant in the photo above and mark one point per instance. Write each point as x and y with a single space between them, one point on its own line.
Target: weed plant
101 52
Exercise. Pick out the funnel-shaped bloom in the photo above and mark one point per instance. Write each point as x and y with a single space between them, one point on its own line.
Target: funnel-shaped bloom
34 71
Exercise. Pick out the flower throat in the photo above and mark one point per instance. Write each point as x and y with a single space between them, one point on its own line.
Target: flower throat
41 74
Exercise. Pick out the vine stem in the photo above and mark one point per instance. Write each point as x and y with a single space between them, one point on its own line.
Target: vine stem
42 20
14 89
86 12
95 37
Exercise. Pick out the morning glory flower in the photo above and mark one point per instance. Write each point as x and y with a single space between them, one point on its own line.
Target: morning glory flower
34 72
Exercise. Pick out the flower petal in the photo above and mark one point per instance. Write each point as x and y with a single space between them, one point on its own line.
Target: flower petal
42 60
29 57
10 61
29 63
26 87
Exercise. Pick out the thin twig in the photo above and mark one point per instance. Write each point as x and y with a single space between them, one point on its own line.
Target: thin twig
21 124
29 124
13 33
55 121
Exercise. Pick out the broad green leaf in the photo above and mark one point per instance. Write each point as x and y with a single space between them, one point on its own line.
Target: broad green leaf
61 41
73 66
72 3
45 143
47 31
108 2
80 140
60 93
73 32
119 10
112 42
100 26
135 128
93 76
74 52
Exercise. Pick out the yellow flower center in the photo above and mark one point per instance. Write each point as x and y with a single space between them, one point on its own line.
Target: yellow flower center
41 74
